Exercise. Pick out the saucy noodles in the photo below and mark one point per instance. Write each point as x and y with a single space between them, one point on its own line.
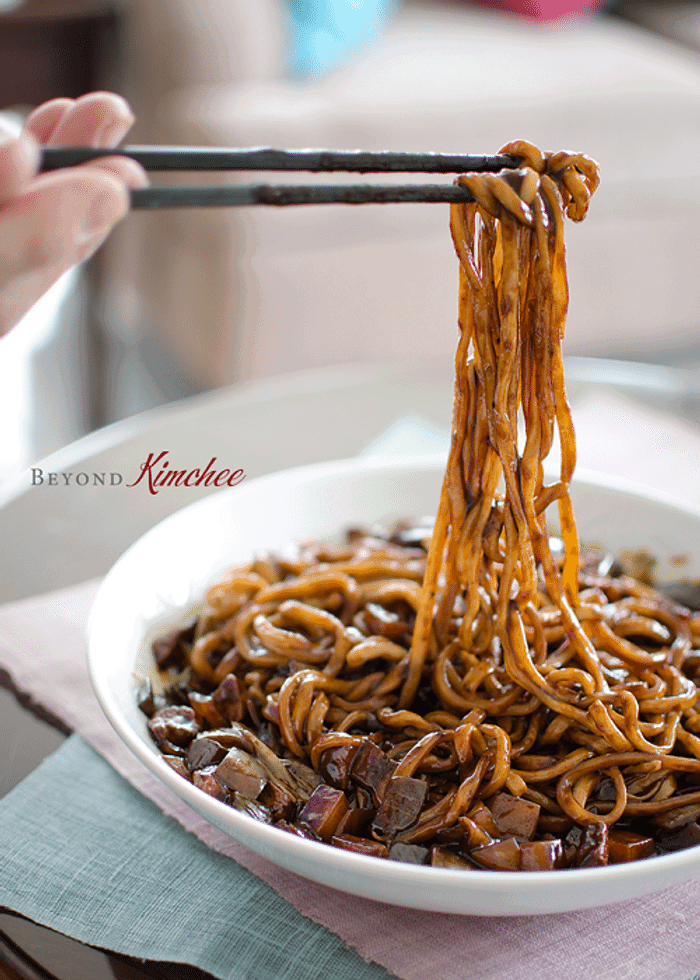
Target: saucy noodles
477 693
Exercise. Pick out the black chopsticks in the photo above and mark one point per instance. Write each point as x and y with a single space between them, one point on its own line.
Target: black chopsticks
265 158
184 158
282 195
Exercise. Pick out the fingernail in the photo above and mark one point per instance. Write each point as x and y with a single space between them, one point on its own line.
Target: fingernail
101 213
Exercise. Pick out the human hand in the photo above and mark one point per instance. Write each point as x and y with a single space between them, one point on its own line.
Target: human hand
49 222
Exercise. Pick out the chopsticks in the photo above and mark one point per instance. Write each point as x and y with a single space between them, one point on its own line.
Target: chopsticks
282 195
265 158
181 158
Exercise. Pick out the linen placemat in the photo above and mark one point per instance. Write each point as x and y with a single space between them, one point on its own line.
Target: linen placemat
655 938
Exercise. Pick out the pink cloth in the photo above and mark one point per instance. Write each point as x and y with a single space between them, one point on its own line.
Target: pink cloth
42 648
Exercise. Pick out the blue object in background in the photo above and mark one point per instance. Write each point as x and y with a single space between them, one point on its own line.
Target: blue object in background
326 32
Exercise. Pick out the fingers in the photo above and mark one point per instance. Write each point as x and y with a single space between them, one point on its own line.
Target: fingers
64 216
59 222
54 221
99 119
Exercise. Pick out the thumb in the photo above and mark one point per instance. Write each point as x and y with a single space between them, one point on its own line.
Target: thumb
50 225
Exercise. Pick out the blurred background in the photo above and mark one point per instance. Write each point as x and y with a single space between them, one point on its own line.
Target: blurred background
186 301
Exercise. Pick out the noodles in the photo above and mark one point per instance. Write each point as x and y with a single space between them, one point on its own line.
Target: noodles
496 699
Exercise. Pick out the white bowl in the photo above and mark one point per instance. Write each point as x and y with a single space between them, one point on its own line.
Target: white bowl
166 573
